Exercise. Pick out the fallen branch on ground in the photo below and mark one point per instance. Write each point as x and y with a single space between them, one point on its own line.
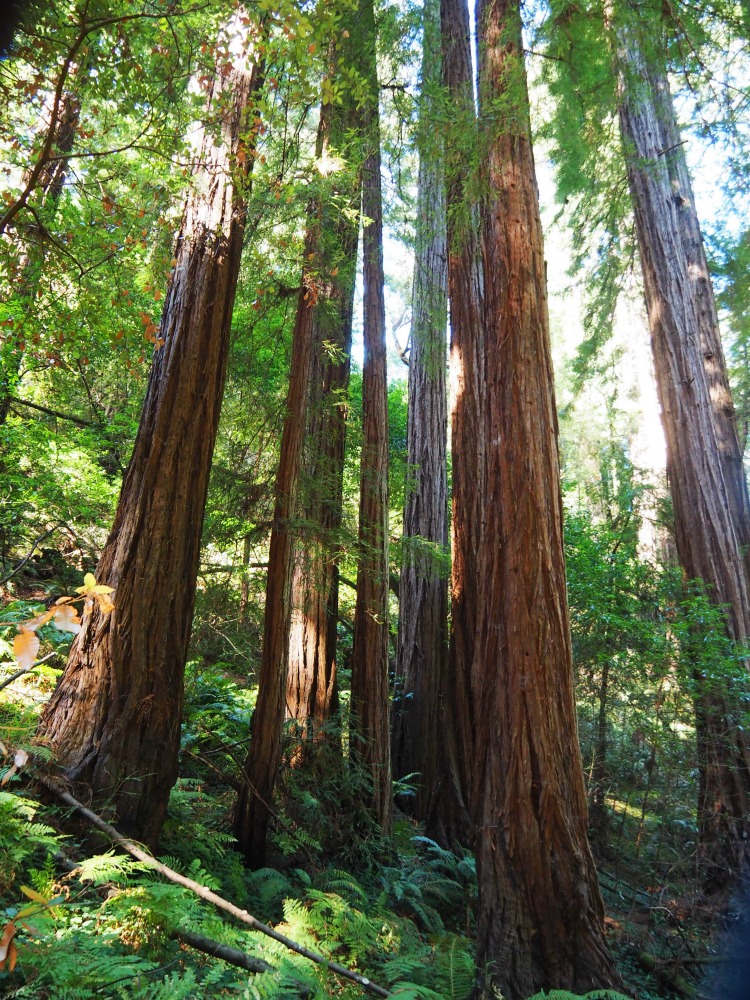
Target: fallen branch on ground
204 893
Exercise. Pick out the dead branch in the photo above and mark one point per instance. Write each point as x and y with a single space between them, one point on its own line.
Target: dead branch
205 893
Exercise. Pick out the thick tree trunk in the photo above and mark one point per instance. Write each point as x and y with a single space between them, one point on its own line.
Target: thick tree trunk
448 817
423 605
114 719
540 916
704 459
253 809
370 709
50 183
312 696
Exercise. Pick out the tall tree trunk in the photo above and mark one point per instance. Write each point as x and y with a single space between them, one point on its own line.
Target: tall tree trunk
423 605
312 696
252 812
540 916
114 720
370 710
704 459
448 820
50 183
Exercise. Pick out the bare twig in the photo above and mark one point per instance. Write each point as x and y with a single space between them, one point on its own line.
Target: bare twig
29 554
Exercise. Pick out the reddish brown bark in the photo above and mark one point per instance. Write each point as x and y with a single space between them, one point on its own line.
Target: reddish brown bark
370 710
423 605
540 921
114 719
253 810
448 817
704 458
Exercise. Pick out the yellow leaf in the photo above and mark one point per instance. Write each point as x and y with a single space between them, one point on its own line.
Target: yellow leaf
25 648
89 582
101 589
67 619
32 894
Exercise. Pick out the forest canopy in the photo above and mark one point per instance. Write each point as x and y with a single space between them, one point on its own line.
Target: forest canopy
374 518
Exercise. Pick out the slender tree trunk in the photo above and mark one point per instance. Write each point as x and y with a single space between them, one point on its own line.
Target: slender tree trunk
448 819
50 183
370 710
253 809
312 696
704 459
423 606
598 816
540 921
114 719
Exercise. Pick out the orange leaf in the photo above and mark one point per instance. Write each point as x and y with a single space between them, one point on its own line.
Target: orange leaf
5 940
67 619
25 648
12 955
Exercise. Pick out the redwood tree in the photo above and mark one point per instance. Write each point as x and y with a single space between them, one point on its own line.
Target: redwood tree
540 916
370 714
448 820
704 458
423 605
253 811
114 719
311 695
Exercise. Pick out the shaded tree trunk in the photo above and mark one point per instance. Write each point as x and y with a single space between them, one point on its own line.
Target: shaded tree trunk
540 921
114 719
704 459
253 808
49 183
423 606
312 696
448 819
370 710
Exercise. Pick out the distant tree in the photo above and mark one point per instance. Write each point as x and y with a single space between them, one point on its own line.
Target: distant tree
370 710
312 695
449 821
114 719
261 767
423 591
704 458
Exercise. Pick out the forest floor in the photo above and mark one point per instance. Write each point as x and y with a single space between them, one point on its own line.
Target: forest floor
88 922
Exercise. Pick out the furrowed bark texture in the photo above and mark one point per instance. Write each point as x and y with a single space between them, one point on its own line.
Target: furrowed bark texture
448 819
311 696
370 710
49 183
540 921
252 813
704 458
423 607
114 719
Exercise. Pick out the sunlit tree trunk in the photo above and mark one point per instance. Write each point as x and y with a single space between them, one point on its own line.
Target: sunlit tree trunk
311 696
114 720
704 459
49 187
448 818
370 710
540 920
423 605
253 810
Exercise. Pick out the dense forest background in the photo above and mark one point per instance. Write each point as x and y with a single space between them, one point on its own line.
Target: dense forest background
374 525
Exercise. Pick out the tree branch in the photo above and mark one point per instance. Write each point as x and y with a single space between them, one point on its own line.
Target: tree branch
53 413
